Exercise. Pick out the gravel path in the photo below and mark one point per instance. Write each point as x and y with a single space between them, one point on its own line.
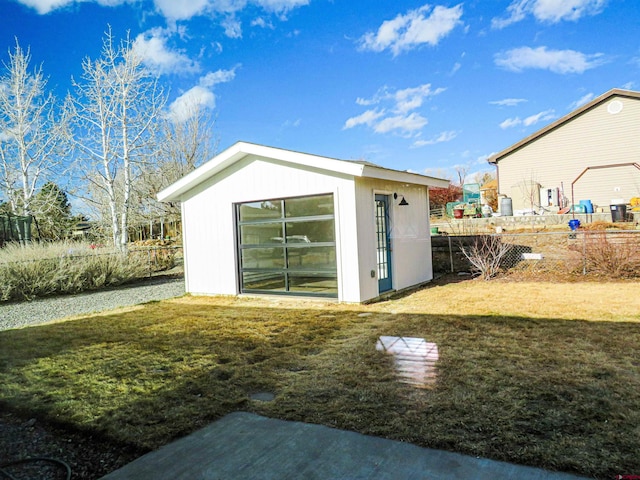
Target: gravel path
22 314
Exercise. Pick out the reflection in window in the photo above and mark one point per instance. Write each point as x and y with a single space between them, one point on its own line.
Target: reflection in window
312 283
264 281
288 246
310 231
260 210
263 258
261 233
308 206
415 359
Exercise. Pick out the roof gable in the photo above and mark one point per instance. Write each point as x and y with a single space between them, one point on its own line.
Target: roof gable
241 150
561 121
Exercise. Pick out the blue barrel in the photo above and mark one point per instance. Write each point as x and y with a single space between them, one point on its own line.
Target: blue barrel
588 206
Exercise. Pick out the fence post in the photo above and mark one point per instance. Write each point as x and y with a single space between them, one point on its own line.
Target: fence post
584 253
450 253
149 260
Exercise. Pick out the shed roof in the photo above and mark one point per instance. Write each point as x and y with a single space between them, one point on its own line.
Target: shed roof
240 150
561 121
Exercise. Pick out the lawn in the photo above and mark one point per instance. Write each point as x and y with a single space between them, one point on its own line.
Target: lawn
543 374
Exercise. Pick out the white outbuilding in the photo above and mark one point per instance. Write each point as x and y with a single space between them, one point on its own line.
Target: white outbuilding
262 220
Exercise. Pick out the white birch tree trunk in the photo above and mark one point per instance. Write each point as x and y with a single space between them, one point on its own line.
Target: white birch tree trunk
117 107
33 131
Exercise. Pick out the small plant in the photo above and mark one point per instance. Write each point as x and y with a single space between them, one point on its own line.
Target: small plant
487 255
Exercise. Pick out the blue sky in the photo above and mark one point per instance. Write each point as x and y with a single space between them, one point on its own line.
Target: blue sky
408 85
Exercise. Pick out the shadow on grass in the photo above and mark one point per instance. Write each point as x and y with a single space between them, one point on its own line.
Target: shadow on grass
556 394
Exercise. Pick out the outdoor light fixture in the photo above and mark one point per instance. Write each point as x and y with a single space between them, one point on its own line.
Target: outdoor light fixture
403 202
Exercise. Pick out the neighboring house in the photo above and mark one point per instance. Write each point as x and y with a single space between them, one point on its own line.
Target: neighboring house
262 220
596 148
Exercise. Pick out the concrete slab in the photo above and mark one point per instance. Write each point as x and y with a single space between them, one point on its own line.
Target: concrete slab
248 446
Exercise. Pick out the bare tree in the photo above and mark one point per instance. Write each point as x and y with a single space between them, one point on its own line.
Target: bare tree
462 171
116 109
33 130
184 143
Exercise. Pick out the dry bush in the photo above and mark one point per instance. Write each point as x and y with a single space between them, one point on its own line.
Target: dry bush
39 270
613 256
487 255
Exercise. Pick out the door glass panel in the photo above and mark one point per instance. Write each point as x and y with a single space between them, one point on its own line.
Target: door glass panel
381 237
260 210
310 231
313 284
261 233
308 206
312 258
272 281
263 258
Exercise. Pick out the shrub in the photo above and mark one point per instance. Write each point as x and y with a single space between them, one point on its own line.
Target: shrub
486 255
615 256
38 270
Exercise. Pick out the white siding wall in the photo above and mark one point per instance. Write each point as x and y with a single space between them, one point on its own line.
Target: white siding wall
410 235
209 222
594 138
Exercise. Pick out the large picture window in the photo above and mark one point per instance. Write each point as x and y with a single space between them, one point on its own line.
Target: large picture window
288 246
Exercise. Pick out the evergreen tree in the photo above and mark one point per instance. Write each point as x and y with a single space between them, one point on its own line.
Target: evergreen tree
52 211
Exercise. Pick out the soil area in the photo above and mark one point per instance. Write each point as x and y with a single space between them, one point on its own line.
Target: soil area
88 456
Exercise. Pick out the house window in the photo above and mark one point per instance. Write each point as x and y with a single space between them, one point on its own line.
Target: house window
288 246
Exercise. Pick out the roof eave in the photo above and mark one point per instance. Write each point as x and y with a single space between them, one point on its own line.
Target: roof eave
239 150
403 177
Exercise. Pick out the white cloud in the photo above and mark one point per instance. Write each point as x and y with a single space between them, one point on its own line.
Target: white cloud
181 10
281 6
557 61
415 28
232 27
402 100
366 118
211 79
45 6
262 23
292 123
581 101
403 123
152 47
412 98
199 96
549 11
538 117
397 110
175 10
528 121
510 122
187 104
508 102
443 137
186 9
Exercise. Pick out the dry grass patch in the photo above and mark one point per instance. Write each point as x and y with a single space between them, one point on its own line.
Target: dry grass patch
543 375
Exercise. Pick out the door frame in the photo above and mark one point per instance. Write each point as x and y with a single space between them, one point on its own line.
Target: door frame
384 264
